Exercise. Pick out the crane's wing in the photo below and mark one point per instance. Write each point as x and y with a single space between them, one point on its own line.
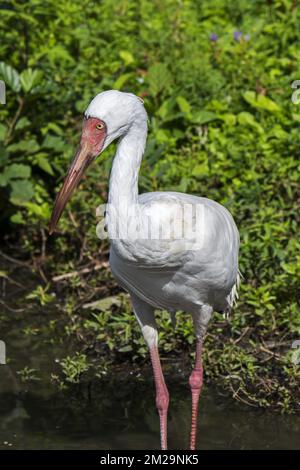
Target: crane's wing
174 227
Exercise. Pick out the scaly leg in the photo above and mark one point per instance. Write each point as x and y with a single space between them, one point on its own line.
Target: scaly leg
196 381
145 317
162 395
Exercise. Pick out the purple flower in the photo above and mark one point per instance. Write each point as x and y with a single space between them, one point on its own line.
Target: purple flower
214 37
237 35
247 37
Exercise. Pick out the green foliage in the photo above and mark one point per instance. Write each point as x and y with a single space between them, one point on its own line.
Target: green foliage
74 367
28 375
221 125
40 295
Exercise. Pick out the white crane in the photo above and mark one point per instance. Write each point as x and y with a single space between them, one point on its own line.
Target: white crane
168 250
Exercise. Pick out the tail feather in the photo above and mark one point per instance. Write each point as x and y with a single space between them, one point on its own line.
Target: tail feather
234 295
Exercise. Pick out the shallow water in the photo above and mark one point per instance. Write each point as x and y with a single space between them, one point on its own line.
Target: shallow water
122 416
117 411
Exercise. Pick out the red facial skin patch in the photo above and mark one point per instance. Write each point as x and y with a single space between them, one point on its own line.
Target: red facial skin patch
93 134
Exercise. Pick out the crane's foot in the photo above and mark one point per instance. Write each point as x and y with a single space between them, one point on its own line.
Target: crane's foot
196 382
162 396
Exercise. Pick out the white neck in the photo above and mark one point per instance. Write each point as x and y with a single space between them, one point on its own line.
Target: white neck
123 185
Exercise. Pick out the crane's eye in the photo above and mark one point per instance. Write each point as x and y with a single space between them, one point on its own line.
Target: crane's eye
99 126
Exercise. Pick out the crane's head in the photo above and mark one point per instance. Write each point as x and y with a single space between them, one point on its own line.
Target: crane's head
109 116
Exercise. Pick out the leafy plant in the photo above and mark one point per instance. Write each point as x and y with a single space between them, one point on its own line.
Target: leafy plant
28 375
215 77
40 294
74 367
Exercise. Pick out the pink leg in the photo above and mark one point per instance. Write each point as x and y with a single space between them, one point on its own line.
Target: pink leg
162 395
196 381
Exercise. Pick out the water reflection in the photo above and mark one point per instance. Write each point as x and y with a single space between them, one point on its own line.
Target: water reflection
117 412
120 414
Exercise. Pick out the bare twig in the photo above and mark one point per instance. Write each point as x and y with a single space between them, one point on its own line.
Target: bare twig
273 354
12 281
41 273
82 249
14 120
236 341
239 398
14 261
73 220
43 246
79 272
15 310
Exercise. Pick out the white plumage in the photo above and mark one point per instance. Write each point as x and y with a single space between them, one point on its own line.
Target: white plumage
163 273
196 272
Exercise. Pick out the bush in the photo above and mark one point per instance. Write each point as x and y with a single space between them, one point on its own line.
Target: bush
216 80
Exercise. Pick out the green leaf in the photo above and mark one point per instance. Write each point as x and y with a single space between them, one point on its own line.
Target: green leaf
42 211
59 55
127 57
2 131
202 117
124 349
229 119
260 101
22 123
3 180
159 78
200 170
52 126
10 76
183 104
247 119
296 117
17 218
166 108
28 146
29 79
54 142
21 191
4 155
183 185
121 80
41 160
17 170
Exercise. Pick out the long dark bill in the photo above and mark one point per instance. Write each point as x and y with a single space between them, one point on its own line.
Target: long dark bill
81 161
